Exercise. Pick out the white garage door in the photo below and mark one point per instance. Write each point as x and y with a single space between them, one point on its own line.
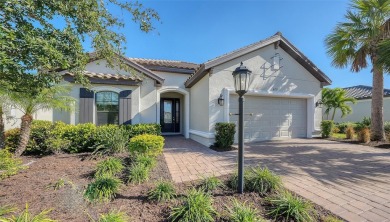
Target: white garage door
273 118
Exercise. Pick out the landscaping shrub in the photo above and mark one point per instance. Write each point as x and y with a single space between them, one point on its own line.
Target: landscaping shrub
241 212
364 135
103 189
349 132
12 139
148 161
114 216
327 128
6 210
224 134
387 127
343 126
109 167
57 145
138 174
263 181
40 132
9 165
233 180
163 191
284 206
109 139
151 145
197 207
336 129
209 184
365 123
81 136
143 128
26 216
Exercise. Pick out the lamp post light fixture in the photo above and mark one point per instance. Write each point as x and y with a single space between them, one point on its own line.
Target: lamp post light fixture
241 76
221 100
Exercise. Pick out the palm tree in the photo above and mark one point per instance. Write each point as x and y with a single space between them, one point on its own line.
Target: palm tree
327 97
336 99
359 38
55 97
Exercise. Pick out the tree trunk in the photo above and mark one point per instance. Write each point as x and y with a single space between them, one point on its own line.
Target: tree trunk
25 129
2 136
334 113
377 126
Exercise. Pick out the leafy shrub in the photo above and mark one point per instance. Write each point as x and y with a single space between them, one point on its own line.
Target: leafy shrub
224 134
364 135
326 128
263 181
81 136
164 190
26 216
60 183
209 184
109 167
114 216
241 212
233 181
151 145
139 173
349 132
40 132
6 210
12 139
9 165
387 126
284 206
365 123
197 207
148 161
110 139
143 128
56 144
343 126
336 129
103 189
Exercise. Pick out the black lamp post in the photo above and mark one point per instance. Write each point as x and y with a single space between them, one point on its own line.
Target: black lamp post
241 78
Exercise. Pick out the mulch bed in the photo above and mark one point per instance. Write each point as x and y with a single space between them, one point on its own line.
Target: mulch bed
375 144
222 149
34 186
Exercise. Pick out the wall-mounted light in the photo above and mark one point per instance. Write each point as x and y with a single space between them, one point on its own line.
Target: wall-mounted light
276 61
221 100
319 103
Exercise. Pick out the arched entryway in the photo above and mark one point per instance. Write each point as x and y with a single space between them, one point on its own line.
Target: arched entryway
173 110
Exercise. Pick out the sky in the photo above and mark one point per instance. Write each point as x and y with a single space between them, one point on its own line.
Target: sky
197 31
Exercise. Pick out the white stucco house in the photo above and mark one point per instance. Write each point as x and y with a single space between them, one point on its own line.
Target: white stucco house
362 107
182 97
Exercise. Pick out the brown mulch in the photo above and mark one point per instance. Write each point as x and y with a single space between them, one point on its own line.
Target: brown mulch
222 149
375 144
35 187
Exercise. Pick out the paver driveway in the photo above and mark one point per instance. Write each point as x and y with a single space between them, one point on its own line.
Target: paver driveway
352 181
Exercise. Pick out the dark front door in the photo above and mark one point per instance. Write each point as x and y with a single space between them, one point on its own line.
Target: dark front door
170 115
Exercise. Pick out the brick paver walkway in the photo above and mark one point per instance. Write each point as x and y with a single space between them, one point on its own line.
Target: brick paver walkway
352 181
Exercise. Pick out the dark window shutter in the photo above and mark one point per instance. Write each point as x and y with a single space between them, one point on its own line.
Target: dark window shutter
86 106
125 107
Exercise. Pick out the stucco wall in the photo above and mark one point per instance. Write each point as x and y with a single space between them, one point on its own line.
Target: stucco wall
362 109
199 105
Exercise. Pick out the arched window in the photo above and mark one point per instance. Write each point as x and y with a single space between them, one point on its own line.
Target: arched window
107 108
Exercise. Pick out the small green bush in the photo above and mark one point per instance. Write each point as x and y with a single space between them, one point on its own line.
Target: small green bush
365 123
263 181
103 189
327 128
57 145
110 139
81 136
197 207
12 139
151 145
26 216
163 191
224 134
343 126
109 167
9 165
284 206
233 180
387 127
241 212
142 128
40 132
114 216
209 184
139 173
148 161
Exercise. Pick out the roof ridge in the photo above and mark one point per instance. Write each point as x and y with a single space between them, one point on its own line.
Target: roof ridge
164 60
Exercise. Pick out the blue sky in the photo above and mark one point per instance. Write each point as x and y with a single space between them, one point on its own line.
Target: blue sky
196 31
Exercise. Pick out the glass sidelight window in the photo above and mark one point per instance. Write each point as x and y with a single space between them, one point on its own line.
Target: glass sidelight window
107 108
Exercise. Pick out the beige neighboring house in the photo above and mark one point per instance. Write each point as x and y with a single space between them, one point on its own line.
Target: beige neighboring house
183 97
362 107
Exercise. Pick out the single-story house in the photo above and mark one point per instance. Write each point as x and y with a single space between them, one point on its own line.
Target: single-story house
362 107
183 97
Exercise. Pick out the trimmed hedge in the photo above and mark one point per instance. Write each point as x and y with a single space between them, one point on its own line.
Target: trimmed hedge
224 134
143 128
150 145
327 128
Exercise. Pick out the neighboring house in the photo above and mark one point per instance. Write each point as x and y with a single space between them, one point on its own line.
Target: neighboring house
362 108
285 86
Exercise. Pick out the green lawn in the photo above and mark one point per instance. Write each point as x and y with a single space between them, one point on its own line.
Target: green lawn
339 135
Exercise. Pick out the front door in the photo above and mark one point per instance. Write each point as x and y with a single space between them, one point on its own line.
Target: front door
170 115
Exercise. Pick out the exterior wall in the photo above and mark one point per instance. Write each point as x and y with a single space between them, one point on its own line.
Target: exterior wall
361 109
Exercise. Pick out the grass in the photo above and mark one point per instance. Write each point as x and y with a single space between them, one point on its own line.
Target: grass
233 181
331 219
209 184
148 161
286 206
60 183
197 207
139 173
109 167
26 216
6 210
339 135
242 212
263 181
114 216
9 165
103 189
163 191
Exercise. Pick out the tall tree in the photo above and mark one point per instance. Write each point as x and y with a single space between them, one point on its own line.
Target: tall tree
55 97
358 39
335 99
38 37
